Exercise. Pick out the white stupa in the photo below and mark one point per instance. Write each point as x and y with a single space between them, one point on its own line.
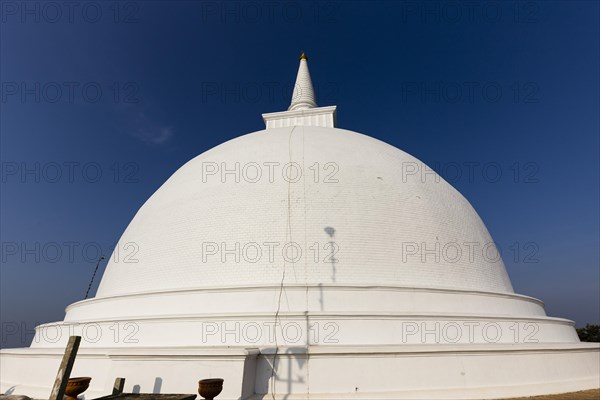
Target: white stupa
307 261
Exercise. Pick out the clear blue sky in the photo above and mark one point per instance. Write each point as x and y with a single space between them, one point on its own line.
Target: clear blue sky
132 90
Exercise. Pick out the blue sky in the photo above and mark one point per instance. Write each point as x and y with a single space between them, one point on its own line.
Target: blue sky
102 101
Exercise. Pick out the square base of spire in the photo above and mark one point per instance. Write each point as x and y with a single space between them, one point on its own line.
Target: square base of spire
319 116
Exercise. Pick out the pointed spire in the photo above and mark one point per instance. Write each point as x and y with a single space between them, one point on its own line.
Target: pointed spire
304 110
304 94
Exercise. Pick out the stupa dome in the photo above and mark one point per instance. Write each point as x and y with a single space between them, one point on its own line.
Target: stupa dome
243 211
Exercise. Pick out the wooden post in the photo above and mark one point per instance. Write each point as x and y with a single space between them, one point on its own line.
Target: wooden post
118 386
64 371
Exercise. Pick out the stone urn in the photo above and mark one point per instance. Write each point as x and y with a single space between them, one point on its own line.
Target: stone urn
76 386
210 388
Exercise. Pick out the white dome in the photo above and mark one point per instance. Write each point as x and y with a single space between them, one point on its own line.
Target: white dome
356 192
279 328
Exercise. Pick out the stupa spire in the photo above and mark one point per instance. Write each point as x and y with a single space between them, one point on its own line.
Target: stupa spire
304 94
304 110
